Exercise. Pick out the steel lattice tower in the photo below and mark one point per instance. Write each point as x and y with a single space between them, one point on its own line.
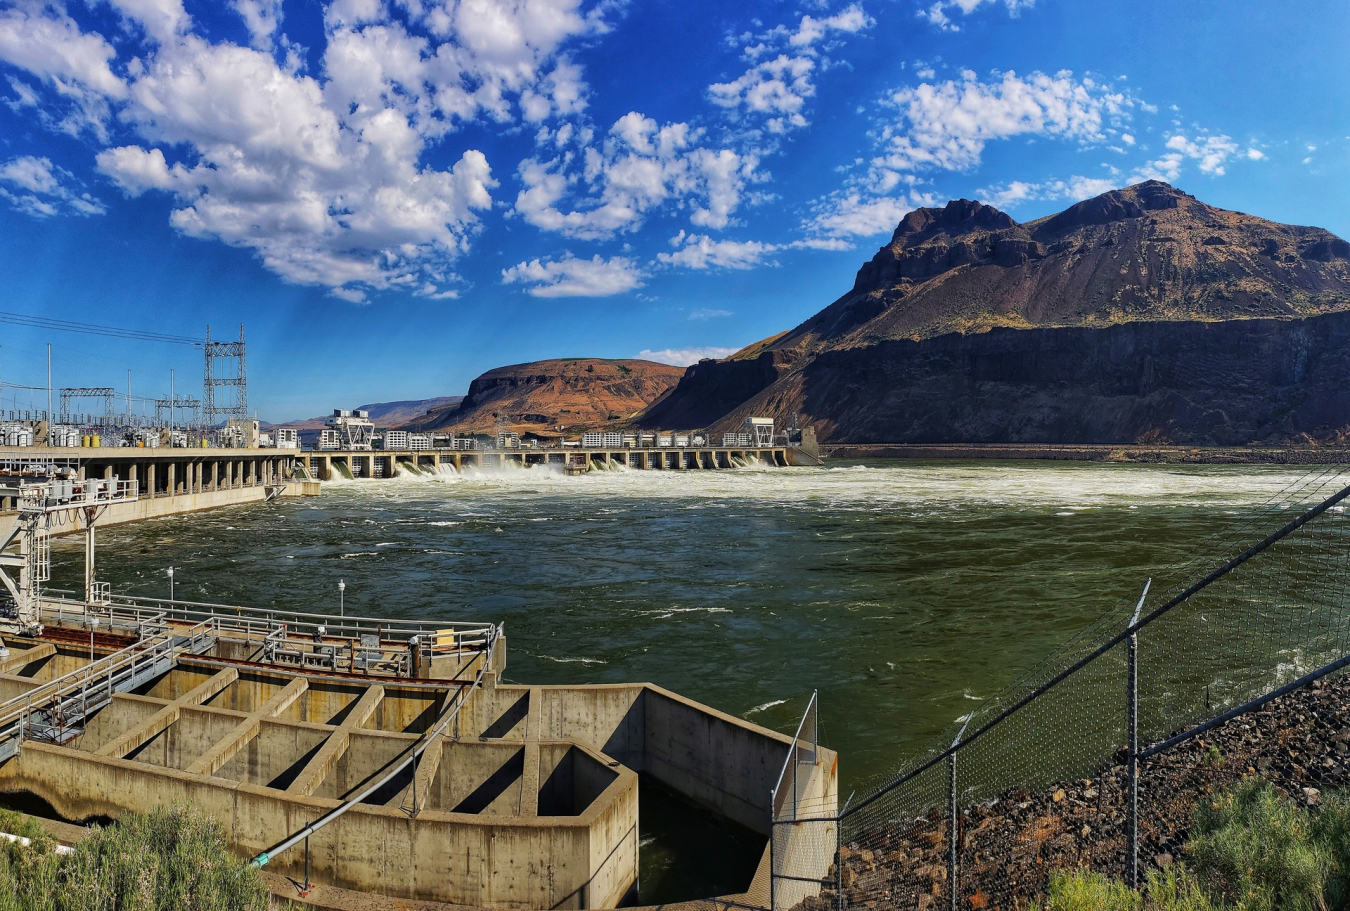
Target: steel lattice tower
225 371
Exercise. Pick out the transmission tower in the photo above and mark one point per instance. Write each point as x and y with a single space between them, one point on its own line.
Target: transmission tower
225 385
85 392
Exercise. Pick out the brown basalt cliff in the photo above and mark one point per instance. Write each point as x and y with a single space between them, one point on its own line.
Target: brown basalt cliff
539 397
1142 315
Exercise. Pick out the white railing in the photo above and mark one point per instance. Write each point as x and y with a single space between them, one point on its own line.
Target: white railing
292 638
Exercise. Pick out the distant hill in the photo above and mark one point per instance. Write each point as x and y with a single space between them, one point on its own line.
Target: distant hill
1142 315
575 393
384 414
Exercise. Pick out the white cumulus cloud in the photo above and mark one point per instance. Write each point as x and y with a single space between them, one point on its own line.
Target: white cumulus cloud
1211 153
699 251
684 357
598 189
855 214
38 188
572 277
946 125
939 12
772 94
322 172
1074 189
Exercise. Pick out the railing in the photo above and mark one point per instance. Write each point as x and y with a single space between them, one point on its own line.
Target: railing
457 699
436 637
73 695
803 836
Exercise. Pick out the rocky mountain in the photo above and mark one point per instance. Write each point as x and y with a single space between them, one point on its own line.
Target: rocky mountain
539 397
1143 314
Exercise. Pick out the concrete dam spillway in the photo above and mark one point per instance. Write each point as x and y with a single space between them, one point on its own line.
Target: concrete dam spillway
374 755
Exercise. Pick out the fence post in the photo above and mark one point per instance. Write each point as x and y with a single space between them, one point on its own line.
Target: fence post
839 863
1132 748
1132 766
951 810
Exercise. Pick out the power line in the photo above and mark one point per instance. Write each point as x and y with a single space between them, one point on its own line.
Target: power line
61 325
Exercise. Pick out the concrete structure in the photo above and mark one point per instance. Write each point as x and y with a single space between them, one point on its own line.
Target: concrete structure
325 465
528 800
172 481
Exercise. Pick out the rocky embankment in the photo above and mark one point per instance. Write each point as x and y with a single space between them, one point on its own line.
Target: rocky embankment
1008 847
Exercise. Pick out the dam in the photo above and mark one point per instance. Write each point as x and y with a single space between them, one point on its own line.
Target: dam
376 755
326 465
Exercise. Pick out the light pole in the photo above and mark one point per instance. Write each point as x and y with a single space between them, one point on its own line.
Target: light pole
171 584
342 607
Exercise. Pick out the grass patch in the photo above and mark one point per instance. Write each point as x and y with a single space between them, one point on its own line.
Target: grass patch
165 860
1251 848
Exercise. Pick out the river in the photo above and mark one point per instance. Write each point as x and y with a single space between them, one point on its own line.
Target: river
905 592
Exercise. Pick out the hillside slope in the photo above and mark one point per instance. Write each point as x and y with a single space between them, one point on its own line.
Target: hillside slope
573 393
965 312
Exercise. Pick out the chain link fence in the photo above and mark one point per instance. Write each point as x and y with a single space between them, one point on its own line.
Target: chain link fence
1224 664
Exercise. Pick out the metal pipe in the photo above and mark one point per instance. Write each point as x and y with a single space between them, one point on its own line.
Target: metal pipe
460 697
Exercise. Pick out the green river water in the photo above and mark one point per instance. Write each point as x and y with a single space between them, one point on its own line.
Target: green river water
905 592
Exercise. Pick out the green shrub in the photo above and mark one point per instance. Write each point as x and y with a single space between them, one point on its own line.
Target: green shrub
1085 890
1257 850
28 874
165 860
1081 890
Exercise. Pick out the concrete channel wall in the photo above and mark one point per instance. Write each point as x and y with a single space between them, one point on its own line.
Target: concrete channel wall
531 824
715 760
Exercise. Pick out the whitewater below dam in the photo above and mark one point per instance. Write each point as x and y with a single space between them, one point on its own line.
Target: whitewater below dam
905 592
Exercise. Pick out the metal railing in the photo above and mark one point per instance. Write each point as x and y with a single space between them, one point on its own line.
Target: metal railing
50 711
450 714
435 638
803 837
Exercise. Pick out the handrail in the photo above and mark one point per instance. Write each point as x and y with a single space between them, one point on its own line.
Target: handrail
58 693
338 627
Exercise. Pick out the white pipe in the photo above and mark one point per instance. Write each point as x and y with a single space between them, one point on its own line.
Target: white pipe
62 850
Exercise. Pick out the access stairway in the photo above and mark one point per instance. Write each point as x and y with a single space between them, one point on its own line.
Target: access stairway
56 711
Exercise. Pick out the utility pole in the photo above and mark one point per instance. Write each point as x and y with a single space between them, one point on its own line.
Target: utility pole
49 393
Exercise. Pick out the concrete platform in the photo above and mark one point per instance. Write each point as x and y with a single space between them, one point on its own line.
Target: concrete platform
530 802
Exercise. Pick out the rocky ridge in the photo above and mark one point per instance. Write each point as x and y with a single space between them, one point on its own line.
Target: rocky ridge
964 318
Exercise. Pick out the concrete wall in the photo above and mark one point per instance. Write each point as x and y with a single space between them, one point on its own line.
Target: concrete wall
494 861
145 508
714 759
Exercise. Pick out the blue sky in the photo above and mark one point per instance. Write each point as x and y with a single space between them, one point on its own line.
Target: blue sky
396 196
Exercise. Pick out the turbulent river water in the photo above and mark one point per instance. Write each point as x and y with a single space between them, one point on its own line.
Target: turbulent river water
905 592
